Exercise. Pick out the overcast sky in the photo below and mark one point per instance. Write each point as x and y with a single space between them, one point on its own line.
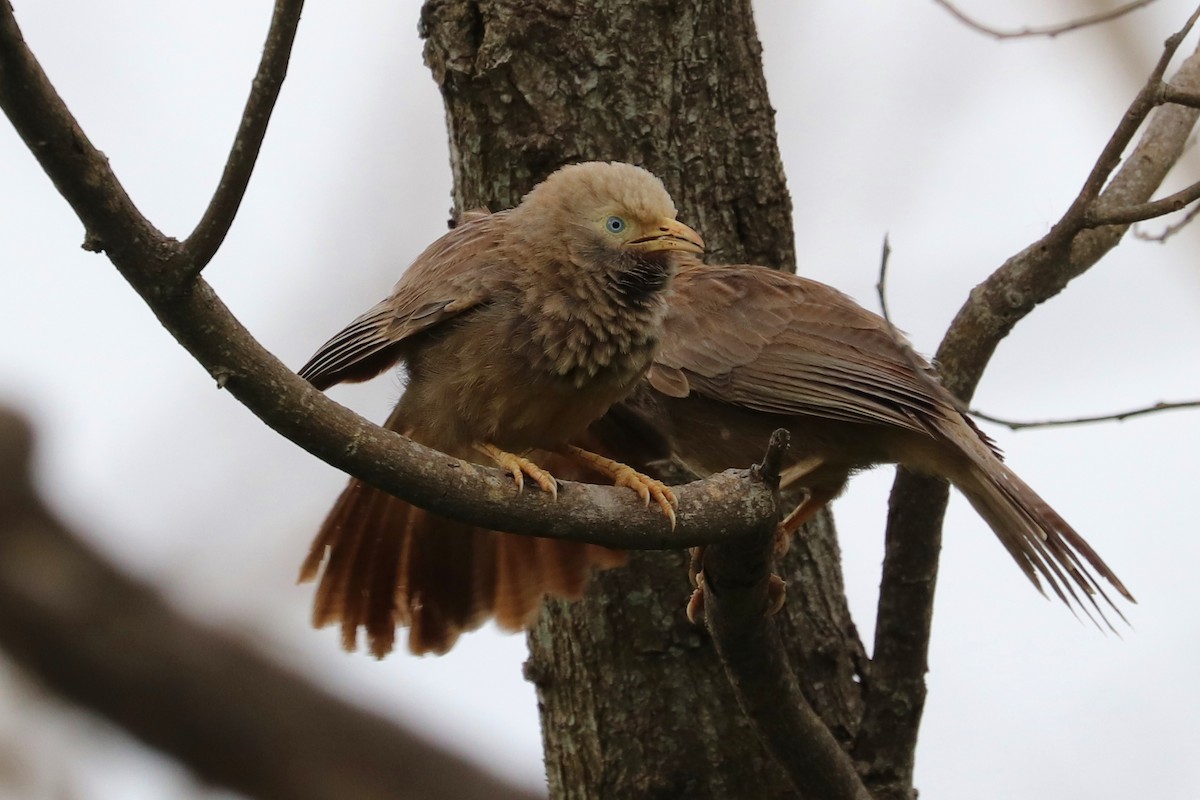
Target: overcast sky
899 121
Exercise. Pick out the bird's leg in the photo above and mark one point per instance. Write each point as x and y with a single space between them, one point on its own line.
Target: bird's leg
624 475
776 593
695 603
519 467
814 500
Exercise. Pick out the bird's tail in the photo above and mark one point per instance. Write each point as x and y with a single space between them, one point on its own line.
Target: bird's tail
387 563
1039 540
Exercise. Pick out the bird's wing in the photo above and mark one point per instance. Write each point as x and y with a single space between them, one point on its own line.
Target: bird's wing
774 342
454 274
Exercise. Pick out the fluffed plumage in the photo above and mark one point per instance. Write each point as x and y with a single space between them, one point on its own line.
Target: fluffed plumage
517 329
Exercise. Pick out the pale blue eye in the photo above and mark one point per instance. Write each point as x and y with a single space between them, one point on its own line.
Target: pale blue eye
614 225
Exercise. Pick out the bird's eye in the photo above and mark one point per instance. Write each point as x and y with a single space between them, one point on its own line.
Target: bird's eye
614 225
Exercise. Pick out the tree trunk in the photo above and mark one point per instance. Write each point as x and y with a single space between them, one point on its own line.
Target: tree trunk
634 701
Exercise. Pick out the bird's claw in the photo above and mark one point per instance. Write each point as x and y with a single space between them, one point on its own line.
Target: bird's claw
776 593
625 475
519 467
776 596
695 604
646 488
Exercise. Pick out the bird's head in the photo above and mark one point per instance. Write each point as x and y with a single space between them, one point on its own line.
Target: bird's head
617 218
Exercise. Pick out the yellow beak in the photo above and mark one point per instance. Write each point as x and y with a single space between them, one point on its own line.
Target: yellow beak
670 234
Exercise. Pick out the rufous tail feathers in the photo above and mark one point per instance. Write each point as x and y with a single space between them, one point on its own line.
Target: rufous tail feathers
1042 543
389 564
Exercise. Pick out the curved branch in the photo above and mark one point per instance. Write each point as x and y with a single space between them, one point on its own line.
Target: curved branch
1143 211
895 693
201 246
79 171
115 647
725 507
1170 230
1047 30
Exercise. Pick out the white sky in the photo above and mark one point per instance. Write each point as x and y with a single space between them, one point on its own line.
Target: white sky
899 120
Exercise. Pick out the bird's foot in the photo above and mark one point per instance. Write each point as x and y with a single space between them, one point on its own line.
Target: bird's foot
814 500
776 593
519 467
695 604
776 597
624 475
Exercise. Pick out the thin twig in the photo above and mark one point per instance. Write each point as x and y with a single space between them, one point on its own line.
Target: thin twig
1143 211
885 255
1170 230
1059 423
210 232
1047 30
80 172
1074 219
919 366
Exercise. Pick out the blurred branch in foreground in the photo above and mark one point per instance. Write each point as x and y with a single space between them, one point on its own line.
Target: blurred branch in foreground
115 647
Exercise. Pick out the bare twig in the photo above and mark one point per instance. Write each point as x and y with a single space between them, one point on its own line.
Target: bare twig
885 255
1110 156
736 608
115 647
1059 423
201 246
895 693
1047 30
1170 230
724 507
113 223
1143 211
920 368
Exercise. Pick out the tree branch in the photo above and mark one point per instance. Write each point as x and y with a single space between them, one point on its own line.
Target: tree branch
1144 211
79 171
725 507
201 246
1048 30
747 639
1172 94
1119 416
116 648
1170 230
895 685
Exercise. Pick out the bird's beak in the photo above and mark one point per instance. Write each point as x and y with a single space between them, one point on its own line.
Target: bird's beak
670 234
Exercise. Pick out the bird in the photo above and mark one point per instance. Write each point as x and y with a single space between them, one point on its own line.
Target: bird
517 330
747 350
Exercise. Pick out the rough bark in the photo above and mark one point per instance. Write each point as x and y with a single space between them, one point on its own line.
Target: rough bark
634 700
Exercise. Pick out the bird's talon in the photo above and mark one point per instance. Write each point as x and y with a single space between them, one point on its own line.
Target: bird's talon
695 604
776 594
670 513
518 467
624 475
696 565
